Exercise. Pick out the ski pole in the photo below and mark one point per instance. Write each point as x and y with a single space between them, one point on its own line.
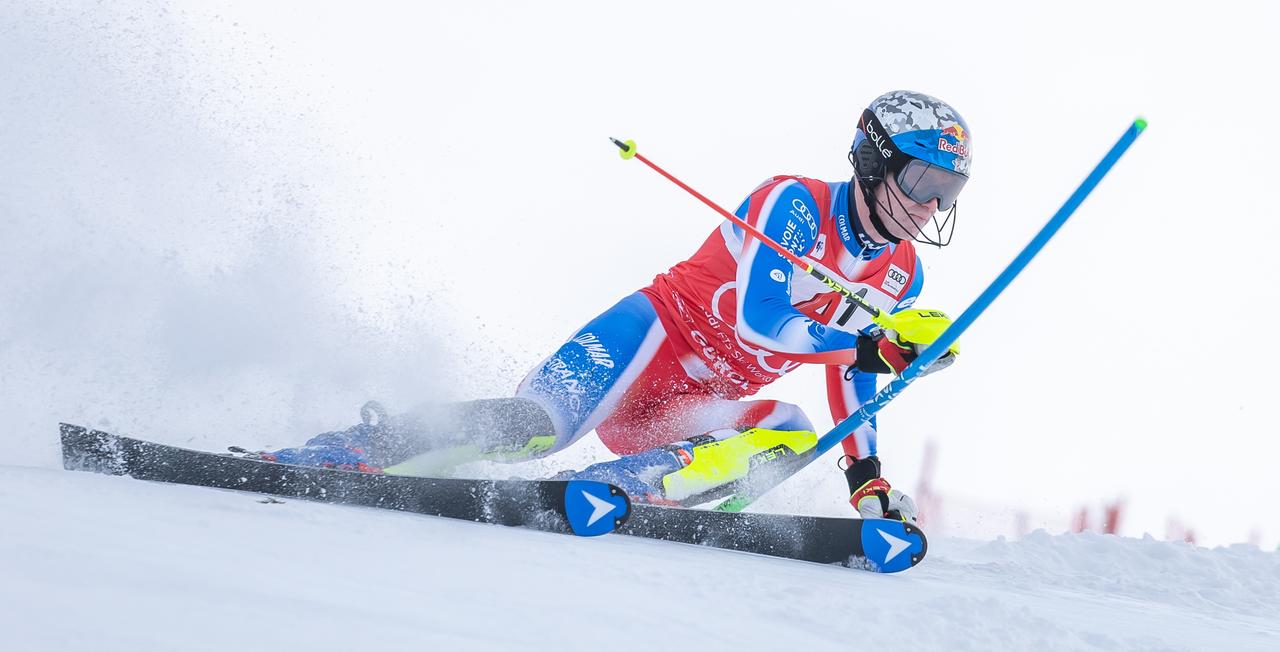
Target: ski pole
880 317
739 501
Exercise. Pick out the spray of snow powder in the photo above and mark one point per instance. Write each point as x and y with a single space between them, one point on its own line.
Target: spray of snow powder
182 257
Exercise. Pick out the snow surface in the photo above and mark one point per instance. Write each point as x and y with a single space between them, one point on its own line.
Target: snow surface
112 563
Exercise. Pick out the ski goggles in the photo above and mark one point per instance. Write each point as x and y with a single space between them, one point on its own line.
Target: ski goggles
922 181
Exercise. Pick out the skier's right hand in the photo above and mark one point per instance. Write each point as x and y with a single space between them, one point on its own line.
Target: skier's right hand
891 350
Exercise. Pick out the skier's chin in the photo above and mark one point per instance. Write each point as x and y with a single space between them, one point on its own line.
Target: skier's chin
909 231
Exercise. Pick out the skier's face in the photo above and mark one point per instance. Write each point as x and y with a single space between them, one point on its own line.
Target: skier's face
903 217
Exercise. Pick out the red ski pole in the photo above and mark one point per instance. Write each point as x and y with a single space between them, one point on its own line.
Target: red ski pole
880 317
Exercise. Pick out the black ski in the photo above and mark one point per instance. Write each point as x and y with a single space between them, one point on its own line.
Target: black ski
556 506
878 545
575 506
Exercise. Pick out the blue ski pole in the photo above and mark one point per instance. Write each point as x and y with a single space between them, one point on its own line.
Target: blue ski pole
739 501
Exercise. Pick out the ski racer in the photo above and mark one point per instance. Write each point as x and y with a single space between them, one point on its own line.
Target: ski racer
664 375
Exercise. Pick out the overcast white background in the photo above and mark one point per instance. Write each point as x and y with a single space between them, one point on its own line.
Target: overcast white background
231 222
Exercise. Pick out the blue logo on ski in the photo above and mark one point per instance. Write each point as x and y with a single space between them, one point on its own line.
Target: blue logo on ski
891 545
594 508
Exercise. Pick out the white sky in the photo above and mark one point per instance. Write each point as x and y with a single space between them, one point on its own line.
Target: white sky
352 190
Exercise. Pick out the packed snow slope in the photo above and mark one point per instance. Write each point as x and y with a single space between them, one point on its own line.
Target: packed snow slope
112 563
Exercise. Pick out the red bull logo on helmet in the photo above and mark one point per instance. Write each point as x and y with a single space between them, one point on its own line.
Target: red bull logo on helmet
955 133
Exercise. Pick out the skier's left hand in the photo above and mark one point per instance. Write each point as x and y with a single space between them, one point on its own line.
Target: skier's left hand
872 495
891 350
877 499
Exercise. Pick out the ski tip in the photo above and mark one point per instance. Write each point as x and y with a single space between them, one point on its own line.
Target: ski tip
892 546
595 508
1140 124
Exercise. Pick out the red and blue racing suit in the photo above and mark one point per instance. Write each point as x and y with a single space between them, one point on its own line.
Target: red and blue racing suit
672 361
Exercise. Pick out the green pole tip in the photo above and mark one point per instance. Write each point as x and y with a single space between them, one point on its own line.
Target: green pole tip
1140 123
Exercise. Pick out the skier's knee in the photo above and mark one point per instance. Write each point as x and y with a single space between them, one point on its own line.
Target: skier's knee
506 420
790 417
497 423
516 425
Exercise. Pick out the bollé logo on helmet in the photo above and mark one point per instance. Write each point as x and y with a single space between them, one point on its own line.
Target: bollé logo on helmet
957 133
876 139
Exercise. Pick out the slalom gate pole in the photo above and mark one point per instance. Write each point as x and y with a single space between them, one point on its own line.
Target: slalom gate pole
741 500
880 317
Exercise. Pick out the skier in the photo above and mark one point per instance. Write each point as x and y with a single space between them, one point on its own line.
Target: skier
661 375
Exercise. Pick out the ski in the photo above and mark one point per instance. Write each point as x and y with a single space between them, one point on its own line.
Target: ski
585 508
877 545
580 507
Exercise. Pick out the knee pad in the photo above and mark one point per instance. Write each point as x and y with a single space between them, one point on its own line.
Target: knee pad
498 430
504 422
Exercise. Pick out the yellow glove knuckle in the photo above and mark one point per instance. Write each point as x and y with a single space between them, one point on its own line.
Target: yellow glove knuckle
923 326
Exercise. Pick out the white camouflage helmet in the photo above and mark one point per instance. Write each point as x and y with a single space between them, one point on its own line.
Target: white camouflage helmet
924 142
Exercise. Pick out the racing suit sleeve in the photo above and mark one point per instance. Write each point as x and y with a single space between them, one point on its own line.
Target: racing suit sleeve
786 212
849 389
